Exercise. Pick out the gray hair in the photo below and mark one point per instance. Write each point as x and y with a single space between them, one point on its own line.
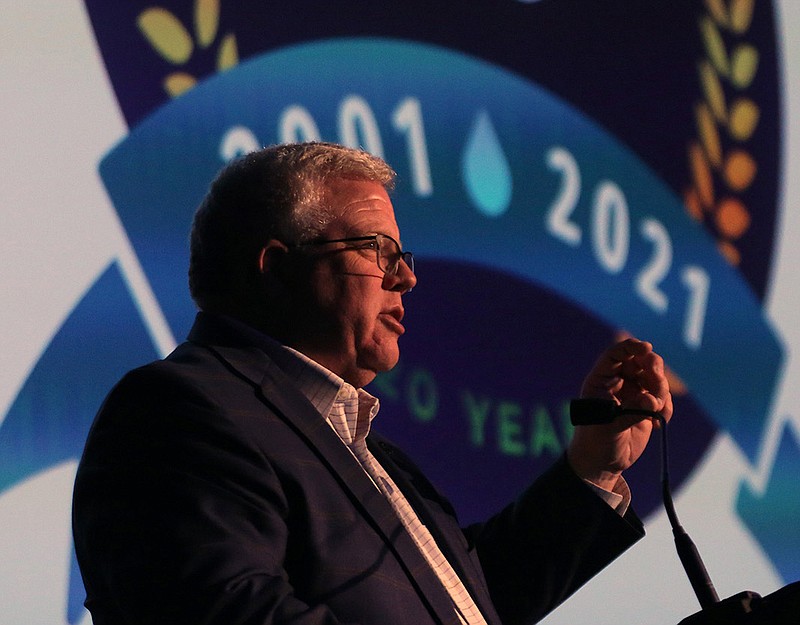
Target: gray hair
274 193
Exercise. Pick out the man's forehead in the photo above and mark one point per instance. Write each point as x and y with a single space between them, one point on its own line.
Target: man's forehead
348 190
375 214
368 203
363 216
358 199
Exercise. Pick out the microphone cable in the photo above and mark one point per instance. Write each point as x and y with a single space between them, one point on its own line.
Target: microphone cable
589 411
687 552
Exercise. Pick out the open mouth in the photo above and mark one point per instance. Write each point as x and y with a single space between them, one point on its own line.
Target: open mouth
392 319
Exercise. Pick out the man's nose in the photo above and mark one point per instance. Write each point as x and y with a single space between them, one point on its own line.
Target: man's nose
404 280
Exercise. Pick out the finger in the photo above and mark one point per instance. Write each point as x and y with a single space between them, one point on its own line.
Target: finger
629 348
645 384
667 407
601 386
657 399
651 376
624 354
616 363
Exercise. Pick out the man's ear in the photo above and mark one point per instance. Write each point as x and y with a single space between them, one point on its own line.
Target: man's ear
271 259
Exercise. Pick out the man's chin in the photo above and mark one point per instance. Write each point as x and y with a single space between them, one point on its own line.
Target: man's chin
377 363
386 364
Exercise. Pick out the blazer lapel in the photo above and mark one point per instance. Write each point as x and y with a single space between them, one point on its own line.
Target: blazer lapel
439 517
287 402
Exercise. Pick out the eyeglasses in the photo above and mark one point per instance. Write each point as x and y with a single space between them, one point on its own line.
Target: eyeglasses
387 251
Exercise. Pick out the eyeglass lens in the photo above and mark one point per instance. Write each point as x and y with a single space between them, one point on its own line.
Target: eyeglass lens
389 255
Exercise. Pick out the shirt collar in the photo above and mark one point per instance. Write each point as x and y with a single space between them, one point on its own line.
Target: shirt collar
350 411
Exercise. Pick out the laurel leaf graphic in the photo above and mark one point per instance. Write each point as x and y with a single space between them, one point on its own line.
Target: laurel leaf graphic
701 173
715 95
166 34
228 54
740 170
744 65
691 199
179 82
729 251
717 10
741 15
744 119
206 21
715 47
709 135
733 220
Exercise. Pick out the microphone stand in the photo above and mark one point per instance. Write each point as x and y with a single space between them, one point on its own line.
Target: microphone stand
687 552
745 608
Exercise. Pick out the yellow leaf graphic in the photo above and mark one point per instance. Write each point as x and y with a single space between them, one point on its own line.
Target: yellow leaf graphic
717 9
745 65
715 95
715 46
707 130
741 15
206 21
744 119
740 170
228 54
179 82
166 34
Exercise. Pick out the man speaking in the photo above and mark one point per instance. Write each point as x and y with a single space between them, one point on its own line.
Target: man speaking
238 481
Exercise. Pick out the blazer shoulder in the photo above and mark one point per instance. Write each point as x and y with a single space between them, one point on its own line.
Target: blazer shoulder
188 366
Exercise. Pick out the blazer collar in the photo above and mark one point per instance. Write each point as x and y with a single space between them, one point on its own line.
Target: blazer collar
253 357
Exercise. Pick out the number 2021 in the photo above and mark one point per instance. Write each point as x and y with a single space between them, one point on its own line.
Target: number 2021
610 236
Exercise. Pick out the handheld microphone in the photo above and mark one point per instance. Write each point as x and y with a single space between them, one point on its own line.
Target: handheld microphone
589 411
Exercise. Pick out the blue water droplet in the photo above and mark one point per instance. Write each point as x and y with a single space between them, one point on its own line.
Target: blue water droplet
485 169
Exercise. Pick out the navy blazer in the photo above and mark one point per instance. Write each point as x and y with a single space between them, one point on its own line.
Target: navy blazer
211 491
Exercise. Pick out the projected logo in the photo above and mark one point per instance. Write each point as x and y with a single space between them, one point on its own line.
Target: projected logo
540 238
